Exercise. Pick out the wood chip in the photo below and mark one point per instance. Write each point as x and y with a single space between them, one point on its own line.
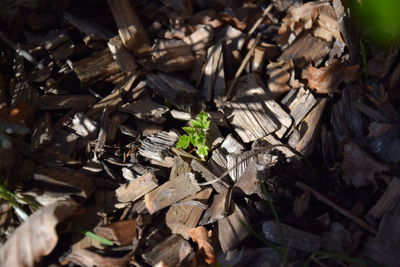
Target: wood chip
146 109
136 188
171 192
219 208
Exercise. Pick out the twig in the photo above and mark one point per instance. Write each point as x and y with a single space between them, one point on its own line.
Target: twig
258 22
232 86
339 209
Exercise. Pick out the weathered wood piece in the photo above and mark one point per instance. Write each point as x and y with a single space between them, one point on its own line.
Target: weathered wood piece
381 253
121 55
95 67
299 102
63 51
157 148
258 59
254 114
42 131
316 50
219 208
62 145
218 162
53 102
220 186
83 126
232 230
200 39
387 201
146 109
63 181
115 98
288 236
136 188
171 55
185 214
130 28
214 75
248 182
171 251
55 38
179 92
171 192
307 141
179 167
238 163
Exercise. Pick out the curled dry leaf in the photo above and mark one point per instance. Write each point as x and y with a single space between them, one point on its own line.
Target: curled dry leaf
36 237
325 80
359 168
206 251
318 16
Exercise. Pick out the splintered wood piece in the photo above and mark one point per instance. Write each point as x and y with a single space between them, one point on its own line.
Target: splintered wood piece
90 28
316 50
171 251
171 192
232 230
248 182
288 236
42 131
220 186
387 201
64 181
102 136
179 167
214 75
254 114
179 92
219 208
381 252
171 55
82 125
63 51
130 28
146 109
238 163
136 188
299 102
200 39
55 38
259 59
185 214
122 233
62 144
122 56
115 98
95 67
53 102
157 148
313 120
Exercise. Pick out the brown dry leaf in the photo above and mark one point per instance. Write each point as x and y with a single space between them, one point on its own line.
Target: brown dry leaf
279 76
206 251
317 15
325 80
85 257
122 232
36 237
359 168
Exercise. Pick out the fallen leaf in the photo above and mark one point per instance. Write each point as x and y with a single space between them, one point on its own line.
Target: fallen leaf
358 167
36 237
300 204
122 232
318 16
325 80
206 251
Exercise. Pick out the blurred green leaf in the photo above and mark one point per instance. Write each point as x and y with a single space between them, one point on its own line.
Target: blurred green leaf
184 141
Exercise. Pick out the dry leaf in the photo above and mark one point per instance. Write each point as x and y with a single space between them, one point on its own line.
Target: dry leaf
325 80
359 168
319 16
122 232
300 204
206 251
36 237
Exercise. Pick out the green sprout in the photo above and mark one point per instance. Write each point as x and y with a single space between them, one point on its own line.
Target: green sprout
196 135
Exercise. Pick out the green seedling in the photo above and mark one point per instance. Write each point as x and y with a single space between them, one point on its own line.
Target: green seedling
196 135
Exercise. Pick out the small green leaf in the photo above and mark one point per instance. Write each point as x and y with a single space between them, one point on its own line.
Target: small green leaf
196 124
189 130
198 140
202 151
183 142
